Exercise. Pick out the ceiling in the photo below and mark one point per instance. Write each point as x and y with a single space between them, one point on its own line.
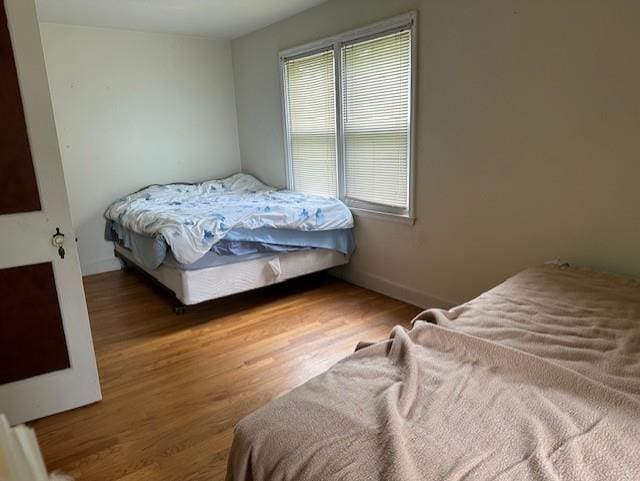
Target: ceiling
211 18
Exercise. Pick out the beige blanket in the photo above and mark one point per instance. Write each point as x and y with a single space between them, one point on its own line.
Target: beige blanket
537 379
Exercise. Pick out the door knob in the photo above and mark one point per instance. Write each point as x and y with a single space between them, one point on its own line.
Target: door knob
58 241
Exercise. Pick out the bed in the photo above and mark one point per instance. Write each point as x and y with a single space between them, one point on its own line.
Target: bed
211 239
536 379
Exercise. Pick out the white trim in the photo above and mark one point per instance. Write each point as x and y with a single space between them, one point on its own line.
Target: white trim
390 288
385 216
336 42
98 267
384 26
340 170
412 116
285 124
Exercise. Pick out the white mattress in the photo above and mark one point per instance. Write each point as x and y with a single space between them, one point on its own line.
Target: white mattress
195 286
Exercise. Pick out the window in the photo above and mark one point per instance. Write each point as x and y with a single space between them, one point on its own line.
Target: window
348 116
312 123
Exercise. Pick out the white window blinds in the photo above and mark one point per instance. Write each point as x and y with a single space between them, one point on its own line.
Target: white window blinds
348 116
311 121
376 99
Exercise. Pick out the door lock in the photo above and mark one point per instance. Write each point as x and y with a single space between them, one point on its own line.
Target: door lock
58 241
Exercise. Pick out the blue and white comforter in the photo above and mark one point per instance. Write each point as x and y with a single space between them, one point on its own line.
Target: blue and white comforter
193 217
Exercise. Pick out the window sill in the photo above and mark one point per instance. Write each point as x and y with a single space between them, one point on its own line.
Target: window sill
386 216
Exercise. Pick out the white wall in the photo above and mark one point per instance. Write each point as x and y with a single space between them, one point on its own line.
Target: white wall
528 138
133 109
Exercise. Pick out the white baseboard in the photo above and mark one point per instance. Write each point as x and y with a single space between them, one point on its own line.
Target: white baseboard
390 288
98 267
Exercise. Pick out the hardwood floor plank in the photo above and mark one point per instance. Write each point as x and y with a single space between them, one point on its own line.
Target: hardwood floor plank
174 386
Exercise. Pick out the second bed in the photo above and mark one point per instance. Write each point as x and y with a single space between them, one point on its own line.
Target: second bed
212 239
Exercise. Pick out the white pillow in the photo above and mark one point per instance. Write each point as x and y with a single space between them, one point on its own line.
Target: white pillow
244 183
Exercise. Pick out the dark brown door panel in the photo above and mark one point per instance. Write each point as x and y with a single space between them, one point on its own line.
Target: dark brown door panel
18 186
32 340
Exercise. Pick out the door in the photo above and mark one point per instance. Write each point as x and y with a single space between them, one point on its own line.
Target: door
47 362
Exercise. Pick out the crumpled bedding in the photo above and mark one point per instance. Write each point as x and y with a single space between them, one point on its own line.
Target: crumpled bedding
191 218
151 252
585 321
536 379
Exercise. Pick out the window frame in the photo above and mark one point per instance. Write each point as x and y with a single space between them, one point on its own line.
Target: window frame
407 21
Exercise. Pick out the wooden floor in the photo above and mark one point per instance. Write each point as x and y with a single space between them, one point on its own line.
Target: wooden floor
174 386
